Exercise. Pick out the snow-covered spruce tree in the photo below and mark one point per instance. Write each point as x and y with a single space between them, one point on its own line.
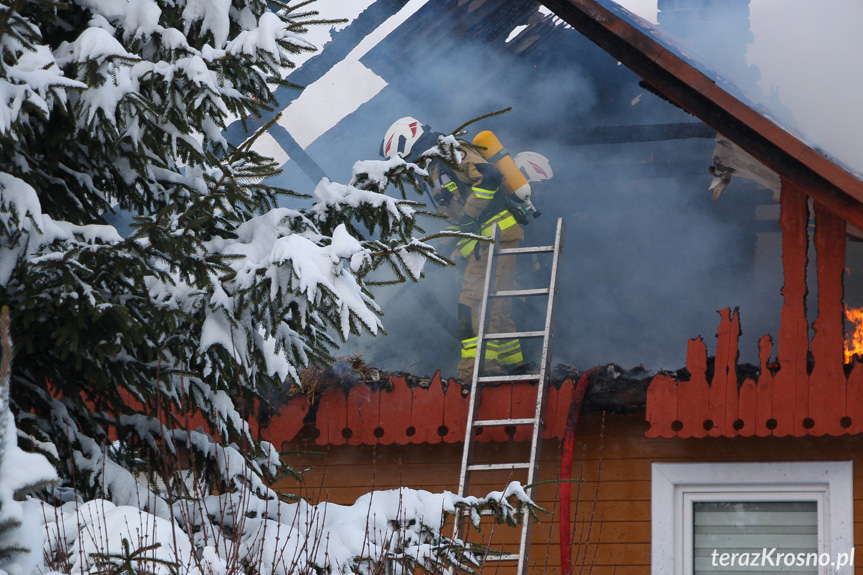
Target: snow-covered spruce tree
217 294
21 473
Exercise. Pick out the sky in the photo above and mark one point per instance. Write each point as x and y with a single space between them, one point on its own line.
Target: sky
644 8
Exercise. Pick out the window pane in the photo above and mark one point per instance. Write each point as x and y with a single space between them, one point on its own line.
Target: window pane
744 537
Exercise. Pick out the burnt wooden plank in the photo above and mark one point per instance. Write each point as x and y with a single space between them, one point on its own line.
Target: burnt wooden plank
662 406
854 398
363 414
747 409
332 417
790 393
694 395
723 388
827 382
455 412
764 421
400 409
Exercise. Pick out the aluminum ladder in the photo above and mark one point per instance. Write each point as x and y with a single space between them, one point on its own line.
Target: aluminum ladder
540 379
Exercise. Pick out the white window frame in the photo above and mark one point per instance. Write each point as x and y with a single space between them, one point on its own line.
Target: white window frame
676 485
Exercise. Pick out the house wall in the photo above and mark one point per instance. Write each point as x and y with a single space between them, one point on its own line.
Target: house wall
614 460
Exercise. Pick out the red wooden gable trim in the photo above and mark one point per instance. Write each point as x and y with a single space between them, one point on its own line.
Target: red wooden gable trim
787 398
401 414
410 415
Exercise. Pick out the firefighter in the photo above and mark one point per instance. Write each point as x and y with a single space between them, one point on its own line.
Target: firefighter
474 200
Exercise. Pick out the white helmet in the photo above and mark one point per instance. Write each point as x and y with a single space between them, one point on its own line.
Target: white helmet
535 167
401 137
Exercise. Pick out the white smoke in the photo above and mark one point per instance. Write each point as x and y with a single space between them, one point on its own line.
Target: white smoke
809 58
810 55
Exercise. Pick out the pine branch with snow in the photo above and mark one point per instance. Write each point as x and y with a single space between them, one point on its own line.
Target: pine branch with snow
218 294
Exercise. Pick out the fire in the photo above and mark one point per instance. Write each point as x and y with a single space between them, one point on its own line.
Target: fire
854 340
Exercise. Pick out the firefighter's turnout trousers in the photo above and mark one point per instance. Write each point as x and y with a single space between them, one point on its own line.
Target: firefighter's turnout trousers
500 355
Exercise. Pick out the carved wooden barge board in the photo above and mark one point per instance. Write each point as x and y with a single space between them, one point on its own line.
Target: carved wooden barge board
787 399
405 415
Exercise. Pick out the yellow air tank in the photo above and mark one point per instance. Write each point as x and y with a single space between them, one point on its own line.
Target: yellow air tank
493 151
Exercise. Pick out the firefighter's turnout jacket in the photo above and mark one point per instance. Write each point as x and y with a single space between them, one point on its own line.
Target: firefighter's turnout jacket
475 193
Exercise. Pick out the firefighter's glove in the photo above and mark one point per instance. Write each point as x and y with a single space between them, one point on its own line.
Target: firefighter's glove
443 198
445 194
468 224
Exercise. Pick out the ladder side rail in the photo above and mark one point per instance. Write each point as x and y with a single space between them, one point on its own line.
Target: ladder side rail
545 358
536 439
478 365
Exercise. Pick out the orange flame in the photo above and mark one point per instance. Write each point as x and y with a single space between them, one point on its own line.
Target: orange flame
854 340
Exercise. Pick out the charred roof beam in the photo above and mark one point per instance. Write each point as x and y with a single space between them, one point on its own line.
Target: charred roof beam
632 134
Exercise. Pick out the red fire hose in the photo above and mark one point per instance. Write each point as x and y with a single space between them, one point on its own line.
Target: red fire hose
567 449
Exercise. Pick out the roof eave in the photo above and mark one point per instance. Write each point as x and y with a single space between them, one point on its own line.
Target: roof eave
681 83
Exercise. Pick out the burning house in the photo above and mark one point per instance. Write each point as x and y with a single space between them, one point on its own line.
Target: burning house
689 188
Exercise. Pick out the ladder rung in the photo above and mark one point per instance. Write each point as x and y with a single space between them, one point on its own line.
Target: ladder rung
491 422
514 335
503 557
508 378
497 466
525 250
520 292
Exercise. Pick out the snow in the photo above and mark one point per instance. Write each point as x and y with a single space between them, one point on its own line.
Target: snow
32 79
20 203
314 268
414 262
646 9
333 196
93 44
213 16
138 19
216 330
270 28
322 105
280 538
515 32
19 471
105 536
20 199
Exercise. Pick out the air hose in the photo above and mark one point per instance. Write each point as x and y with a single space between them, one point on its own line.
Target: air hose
567 449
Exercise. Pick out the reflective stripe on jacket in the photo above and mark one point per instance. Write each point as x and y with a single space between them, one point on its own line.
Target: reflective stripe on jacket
504 221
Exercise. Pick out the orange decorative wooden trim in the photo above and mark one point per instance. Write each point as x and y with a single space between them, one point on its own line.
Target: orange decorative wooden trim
400 414
287 423
806 390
